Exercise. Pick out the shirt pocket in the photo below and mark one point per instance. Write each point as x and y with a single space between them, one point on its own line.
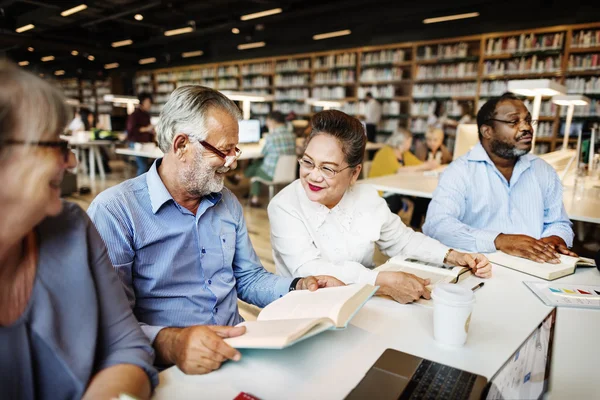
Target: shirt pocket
228 241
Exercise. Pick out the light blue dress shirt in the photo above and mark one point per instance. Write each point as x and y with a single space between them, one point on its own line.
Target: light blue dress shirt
474 203
181 269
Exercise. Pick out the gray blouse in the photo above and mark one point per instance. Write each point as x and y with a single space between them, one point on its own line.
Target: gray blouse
78 320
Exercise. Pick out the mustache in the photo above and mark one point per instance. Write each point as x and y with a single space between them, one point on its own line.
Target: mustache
524 133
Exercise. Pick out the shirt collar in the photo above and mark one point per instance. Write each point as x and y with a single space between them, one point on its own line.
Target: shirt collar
343 211
158 192
478 153
280 129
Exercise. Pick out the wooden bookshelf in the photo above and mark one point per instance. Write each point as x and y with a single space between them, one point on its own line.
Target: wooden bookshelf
470 68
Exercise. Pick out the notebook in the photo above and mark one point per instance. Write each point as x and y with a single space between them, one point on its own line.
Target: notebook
302 314
436 273
545 271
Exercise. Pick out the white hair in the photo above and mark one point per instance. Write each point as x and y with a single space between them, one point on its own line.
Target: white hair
398 138
186 110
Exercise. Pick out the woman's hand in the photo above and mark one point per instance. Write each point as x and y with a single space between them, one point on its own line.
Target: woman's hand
402 287
478 263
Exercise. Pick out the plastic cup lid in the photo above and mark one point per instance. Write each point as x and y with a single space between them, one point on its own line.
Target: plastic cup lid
453 294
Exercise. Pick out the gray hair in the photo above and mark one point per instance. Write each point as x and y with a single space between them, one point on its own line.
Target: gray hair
30 108
398 138
186 110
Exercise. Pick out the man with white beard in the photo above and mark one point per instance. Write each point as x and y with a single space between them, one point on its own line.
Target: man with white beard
499 196
178 238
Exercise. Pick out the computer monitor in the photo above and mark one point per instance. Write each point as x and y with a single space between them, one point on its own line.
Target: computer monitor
467 136
249 130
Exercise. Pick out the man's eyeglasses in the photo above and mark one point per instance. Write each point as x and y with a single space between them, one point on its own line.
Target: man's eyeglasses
327 172
229 159
63 145
513 123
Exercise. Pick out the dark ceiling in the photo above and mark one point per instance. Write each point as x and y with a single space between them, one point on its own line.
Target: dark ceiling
372 22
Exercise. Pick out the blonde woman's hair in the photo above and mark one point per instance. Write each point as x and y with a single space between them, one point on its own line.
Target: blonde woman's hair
31 109
434 132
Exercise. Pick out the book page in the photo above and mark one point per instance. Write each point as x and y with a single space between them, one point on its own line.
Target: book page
435 273
277 334
546 271
301 304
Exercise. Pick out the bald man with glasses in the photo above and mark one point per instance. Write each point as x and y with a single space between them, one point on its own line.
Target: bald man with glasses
499 196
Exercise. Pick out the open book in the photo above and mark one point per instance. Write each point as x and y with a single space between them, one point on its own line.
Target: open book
541 270
436 273
302 314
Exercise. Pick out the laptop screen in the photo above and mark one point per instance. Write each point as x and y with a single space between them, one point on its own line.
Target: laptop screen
525 375
249 130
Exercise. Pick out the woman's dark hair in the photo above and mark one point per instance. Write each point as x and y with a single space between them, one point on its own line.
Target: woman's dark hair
144 96
277 116
438 108
84 113
488 110
346 129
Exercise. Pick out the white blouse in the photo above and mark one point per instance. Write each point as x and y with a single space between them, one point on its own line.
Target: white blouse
310 239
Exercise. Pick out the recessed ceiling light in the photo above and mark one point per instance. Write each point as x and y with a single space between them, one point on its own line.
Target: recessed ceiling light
254 45
91 57
74 53
149 60
59 72
192 53
23 63
138 17
25 28
450 18
179 31
73 10
111 66
261 14
235 31
30 49
330 35
121 43
48 58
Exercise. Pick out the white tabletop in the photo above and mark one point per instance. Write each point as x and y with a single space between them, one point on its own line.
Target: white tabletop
84 141
249 151
331 364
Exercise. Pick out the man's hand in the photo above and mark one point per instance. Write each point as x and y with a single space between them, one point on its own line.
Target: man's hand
197 349
402 287
527 247
478 263
558 244
313 283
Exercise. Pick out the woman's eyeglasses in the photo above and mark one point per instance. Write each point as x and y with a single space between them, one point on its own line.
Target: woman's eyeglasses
63 145
327 172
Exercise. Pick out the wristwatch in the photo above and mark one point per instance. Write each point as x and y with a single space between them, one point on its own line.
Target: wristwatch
294 283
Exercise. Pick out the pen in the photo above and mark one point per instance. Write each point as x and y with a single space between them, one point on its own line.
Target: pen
478 286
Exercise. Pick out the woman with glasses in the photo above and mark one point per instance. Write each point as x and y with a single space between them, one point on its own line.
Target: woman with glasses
325 224
66 329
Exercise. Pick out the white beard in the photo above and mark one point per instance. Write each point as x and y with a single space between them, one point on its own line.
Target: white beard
199 178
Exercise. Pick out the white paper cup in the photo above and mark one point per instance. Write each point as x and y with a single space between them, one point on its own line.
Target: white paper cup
452 307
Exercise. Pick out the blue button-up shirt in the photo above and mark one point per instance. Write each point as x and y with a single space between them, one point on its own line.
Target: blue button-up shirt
181 269
474 203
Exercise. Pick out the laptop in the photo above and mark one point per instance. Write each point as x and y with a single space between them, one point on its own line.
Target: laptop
467 137
249 131
401 376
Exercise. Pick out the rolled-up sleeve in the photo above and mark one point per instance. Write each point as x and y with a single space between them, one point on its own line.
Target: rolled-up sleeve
120 339
556 220
446 210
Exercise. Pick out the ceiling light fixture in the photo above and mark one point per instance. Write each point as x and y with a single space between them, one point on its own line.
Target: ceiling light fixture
450 18
196 53
122 43
23 63
73 10
179 31
149 60
59 72
74 53
31 49
48 58
329 35
91 57
111 66
235 31
254 45
261 14
138 17
25 28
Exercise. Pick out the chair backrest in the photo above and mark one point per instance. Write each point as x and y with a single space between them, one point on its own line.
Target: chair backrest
366 168
285 170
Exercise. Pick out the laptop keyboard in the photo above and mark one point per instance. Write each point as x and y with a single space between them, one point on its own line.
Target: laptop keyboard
437 381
